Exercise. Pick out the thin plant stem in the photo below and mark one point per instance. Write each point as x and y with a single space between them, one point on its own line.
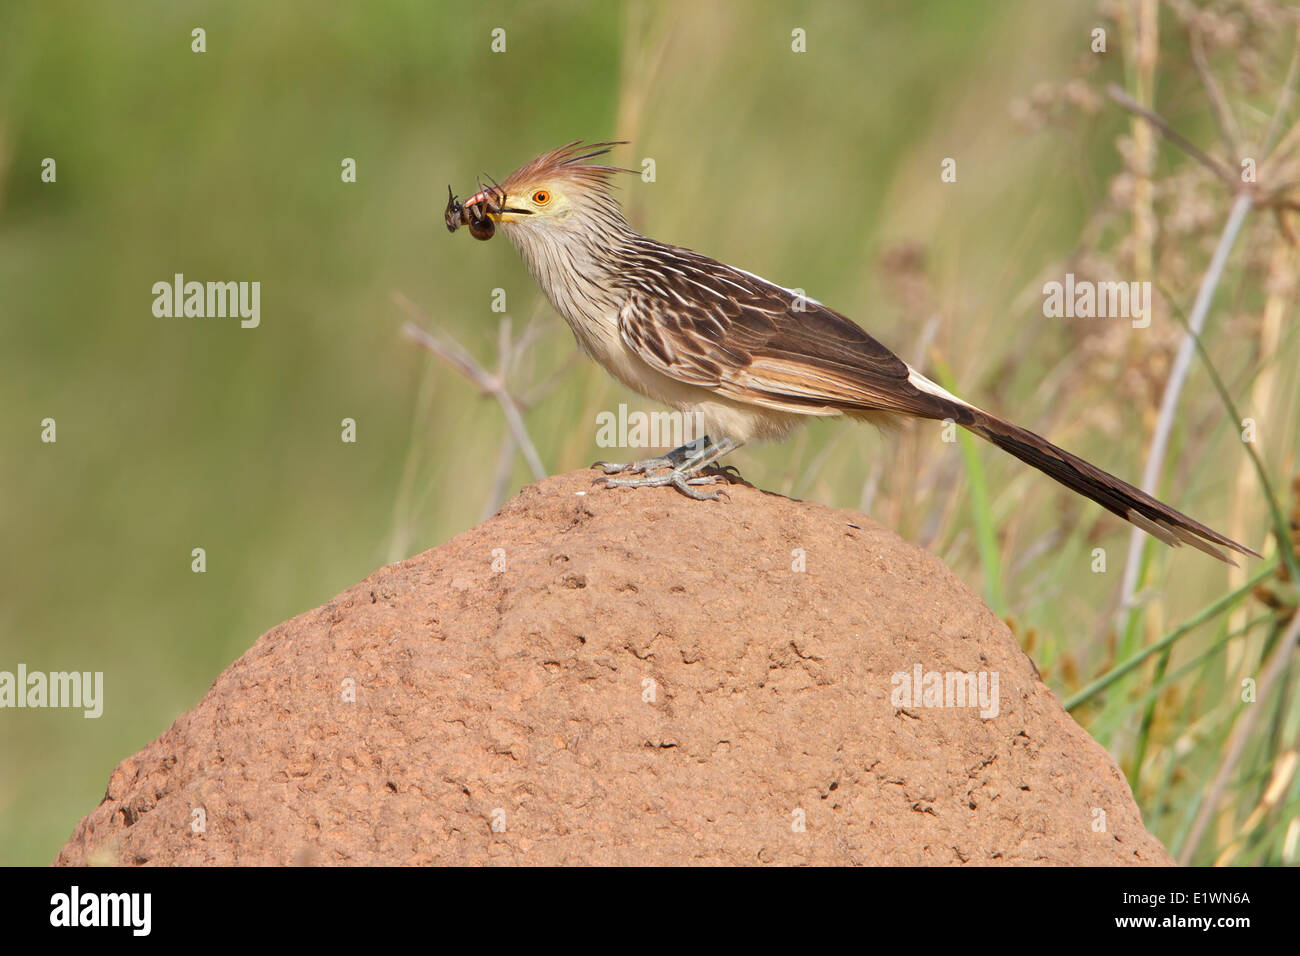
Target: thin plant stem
1240 736
1174 388
455 355
1115 673
981 511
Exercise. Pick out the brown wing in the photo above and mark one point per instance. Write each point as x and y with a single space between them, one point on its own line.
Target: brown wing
705 323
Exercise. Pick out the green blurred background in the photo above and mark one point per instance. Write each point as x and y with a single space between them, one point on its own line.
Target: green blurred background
818 170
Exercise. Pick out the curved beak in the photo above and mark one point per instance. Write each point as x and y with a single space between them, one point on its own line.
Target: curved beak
487 201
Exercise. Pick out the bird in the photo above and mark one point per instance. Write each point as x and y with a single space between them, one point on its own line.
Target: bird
749 358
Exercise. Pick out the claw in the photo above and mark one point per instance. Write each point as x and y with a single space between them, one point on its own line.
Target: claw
684 487
689 467
634 467
681 480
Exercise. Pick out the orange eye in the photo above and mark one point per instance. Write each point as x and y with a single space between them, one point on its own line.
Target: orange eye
541 197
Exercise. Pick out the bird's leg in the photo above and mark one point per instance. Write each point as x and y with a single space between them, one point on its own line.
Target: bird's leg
686 472
674 459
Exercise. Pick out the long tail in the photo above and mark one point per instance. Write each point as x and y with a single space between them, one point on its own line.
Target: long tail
1117 496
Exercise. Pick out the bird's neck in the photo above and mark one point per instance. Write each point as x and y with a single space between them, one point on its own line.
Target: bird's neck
571 263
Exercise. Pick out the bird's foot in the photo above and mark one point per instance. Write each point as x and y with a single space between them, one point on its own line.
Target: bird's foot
684 481
635 467
676 458
687 468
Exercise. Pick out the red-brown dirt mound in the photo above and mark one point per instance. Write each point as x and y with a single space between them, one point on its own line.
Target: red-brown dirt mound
615 676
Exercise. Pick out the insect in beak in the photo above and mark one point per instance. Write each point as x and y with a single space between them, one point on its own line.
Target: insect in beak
475 212
455 213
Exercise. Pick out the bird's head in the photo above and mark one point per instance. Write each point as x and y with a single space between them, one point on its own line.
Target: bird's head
545 197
